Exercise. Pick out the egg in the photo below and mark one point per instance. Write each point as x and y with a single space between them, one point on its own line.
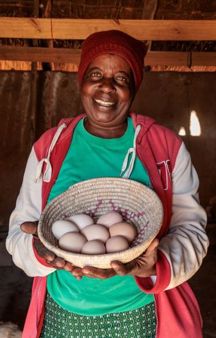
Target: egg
110 218
127 230
116 244
81 220
94 247
61 227
96 231
72 241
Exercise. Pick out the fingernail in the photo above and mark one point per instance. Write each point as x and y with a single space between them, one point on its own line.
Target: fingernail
67 268
49 259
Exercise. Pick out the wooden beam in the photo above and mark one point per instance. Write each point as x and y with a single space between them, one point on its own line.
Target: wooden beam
40 54
44 28
67 55
200 59
166 58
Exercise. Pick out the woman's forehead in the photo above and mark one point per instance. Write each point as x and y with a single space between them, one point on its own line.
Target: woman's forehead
110 61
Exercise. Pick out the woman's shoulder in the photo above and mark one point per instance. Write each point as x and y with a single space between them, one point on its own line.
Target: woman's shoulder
54 134
163 141
166 131
47 136
151 125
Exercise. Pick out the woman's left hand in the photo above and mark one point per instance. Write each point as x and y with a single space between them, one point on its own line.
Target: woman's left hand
142 266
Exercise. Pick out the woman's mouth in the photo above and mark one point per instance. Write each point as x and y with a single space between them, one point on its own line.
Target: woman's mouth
103 103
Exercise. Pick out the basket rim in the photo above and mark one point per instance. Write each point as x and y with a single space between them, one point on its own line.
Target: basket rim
103 179
111 256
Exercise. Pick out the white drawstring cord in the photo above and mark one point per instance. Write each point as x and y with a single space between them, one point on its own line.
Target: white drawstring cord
46 161
127 169
167 172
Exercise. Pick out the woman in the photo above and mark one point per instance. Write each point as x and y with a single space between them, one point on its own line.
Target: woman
148 297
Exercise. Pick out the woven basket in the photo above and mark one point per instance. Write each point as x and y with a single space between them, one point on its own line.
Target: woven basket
95 197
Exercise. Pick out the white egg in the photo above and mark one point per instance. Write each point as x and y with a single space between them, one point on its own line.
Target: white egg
72 241
127 230
110 218
96 231
61 227
94 247
81 220
116 244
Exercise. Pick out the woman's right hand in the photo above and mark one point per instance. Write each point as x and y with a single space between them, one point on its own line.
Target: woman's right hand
50 258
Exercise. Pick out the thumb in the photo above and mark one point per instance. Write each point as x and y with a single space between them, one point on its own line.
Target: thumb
152 247
29 227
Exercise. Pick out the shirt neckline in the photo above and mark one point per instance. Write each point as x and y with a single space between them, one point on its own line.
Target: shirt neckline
99 140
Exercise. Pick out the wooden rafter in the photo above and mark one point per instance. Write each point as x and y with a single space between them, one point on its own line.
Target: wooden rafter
150 30
67 55
34 28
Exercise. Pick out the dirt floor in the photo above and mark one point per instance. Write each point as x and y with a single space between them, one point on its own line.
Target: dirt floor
15 288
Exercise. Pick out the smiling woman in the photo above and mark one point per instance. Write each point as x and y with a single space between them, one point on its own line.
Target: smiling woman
107 92
147 297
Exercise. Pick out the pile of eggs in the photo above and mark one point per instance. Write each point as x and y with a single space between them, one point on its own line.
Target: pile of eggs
80 234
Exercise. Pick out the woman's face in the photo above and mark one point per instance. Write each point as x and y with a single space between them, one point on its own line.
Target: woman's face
107 91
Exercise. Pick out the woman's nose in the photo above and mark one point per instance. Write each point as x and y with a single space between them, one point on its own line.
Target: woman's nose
107 85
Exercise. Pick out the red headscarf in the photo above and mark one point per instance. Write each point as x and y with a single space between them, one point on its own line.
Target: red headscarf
114 42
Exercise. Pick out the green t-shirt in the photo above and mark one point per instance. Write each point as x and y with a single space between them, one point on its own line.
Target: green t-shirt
89 157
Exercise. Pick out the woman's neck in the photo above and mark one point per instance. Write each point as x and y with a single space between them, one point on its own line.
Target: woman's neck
107 131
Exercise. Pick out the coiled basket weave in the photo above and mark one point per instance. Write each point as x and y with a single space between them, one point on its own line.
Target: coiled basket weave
95 197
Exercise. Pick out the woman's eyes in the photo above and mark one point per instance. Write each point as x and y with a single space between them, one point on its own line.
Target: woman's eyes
95 76
118 78
121 79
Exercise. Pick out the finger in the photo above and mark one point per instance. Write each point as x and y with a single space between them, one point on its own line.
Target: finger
92 272
131 267
43 252
49 256
79 277
68 267
77 273
58 262
29 227
152 247
122 269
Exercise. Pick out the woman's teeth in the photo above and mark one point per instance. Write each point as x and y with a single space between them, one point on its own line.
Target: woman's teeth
104 103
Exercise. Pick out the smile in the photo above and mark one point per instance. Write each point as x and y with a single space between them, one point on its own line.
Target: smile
104 103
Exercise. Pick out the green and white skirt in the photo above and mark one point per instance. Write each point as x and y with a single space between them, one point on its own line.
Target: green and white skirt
59 323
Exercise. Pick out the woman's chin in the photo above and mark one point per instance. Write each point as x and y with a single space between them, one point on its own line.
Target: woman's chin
104 118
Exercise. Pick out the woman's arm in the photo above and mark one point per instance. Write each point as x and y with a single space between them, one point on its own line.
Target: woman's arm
182 249
186 243
28 209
